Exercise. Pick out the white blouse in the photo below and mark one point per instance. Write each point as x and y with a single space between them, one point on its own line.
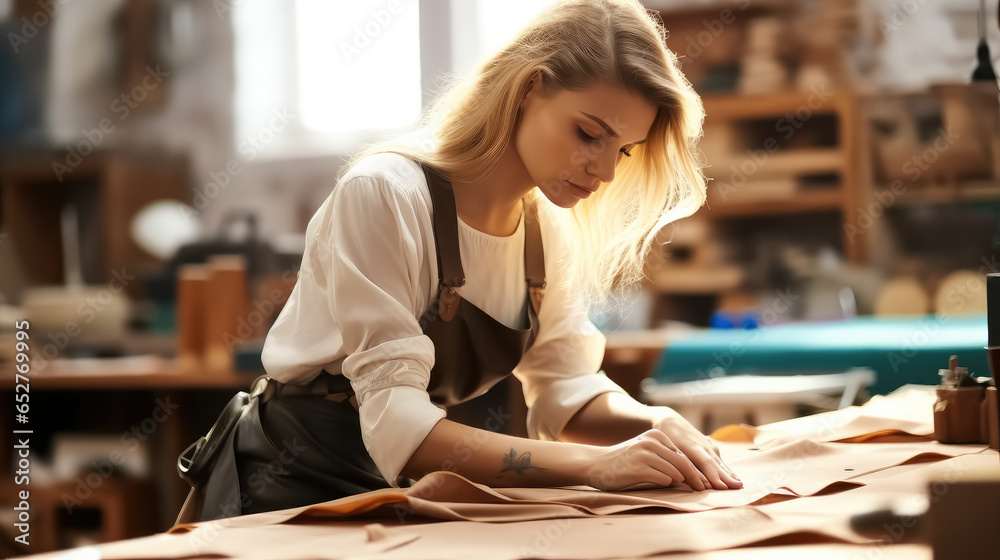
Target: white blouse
369 272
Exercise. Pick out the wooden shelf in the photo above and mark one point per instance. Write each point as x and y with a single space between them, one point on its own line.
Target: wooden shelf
809 202
733 106
695 280
152 374
795 162
966 191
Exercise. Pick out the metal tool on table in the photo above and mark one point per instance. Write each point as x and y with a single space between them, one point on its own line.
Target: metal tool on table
965 409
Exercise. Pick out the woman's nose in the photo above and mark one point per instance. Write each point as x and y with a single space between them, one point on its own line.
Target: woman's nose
602 166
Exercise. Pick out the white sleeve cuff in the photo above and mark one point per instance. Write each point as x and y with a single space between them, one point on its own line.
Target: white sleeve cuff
561 400
394 422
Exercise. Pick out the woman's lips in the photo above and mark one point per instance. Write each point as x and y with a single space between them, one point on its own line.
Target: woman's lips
578 190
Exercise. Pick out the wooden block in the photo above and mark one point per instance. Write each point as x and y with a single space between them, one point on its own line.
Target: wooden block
225 310
962 506
192 284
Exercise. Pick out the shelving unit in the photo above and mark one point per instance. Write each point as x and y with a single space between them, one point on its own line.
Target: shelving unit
779 157
116 509
966 192
109 187
792 113
803 203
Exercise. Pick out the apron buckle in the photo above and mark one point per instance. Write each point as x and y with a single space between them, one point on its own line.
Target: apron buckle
448 299
537 293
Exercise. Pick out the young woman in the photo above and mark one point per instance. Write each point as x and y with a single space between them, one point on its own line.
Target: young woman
547 173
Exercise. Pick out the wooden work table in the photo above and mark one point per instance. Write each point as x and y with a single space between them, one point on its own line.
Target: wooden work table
798 502
138 373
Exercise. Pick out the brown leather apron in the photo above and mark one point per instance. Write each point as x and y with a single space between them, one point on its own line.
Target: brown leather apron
300 444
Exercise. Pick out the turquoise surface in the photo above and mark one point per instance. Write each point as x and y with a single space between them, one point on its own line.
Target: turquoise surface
901 350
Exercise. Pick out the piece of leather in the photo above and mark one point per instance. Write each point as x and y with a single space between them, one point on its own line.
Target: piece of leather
907 413
802 468
586 524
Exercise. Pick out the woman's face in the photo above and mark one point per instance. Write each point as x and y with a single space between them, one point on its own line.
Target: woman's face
571 142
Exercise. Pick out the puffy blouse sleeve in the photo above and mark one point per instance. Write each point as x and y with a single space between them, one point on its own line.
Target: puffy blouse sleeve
560 372
371 275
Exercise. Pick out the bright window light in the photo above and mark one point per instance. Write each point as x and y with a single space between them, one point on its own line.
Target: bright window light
263 82
358 64
499 21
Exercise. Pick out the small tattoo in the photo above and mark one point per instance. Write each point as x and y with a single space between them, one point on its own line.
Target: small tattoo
518 464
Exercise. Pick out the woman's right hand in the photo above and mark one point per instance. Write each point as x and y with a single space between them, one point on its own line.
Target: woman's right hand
649 460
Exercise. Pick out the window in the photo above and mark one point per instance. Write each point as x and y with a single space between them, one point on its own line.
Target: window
345 73
358 64
480 27
339 73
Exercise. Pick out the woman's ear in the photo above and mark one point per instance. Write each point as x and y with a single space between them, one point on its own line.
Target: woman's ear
534 82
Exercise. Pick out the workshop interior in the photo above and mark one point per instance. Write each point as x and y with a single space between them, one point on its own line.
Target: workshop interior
160 161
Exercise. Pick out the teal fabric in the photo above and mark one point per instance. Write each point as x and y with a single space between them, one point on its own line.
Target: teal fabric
900 350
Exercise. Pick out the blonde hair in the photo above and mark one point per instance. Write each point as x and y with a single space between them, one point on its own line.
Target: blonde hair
575 44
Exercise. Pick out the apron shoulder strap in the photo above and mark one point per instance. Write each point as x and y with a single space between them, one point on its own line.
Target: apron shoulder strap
445 229
450 272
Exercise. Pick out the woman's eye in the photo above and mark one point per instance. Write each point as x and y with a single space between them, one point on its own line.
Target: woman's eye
584 136
588 138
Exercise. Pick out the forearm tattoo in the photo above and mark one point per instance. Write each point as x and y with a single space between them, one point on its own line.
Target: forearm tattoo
518 464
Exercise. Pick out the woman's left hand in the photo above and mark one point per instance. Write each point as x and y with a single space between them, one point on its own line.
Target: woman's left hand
698 448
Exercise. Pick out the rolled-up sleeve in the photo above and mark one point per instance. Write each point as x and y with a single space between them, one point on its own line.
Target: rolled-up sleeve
561 372
374 295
